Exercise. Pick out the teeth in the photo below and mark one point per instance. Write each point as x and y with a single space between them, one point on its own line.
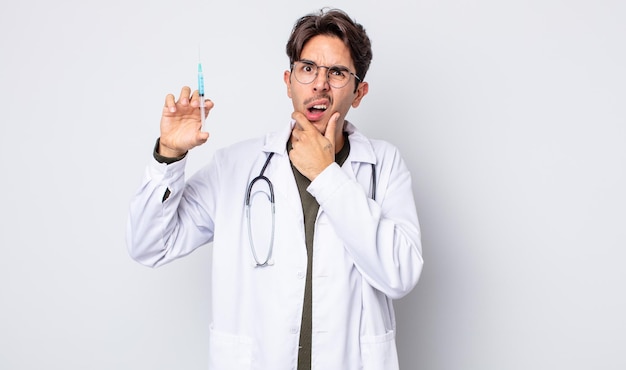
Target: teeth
320 106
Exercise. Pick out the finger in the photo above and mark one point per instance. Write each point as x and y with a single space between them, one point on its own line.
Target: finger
297 131
195 99
184 95
302 122
170 103
202 137
208 105
331 127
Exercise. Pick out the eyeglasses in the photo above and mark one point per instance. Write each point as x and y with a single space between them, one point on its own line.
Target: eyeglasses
305 72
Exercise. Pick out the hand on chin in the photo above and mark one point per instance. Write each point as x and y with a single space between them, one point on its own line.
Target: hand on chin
319 121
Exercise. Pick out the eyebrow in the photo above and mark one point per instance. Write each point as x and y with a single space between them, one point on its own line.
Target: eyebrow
338 66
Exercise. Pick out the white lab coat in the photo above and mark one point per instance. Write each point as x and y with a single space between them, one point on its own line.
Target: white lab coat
366 252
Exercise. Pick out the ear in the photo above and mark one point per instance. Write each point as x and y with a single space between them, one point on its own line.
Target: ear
361 91
287 79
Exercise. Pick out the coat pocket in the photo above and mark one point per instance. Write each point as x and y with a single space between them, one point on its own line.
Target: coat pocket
379 352
229 351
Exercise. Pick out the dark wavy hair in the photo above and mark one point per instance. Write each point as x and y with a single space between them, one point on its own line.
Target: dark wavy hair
332 22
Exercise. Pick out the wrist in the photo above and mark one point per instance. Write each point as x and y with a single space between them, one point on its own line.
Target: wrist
163 154
169 153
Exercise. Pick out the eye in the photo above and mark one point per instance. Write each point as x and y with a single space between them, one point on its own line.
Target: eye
338 73
307 67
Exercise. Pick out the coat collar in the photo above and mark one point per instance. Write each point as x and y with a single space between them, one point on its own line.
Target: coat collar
361 149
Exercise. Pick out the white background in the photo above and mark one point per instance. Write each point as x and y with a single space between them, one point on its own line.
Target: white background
510 114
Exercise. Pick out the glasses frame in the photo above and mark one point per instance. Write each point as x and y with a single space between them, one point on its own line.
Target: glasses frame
328 69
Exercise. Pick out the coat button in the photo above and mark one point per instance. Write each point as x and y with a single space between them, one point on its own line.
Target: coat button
294 330
301 275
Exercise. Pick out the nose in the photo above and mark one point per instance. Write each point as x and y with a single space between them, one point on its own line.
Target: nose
321 79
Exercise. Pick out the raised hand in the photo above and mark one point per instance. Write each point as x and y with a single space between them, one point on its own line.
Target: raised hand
311 151
181 126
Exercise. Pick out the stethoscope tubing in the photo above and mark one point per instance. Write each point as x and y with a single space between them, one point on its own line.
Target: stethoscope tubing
261 177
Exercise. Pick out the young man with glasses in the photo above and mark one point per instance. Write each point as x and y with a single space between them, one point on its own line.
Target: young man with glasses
304 275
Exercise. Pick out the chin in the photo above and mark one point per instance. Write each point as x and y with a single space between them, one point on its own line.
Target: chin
320 126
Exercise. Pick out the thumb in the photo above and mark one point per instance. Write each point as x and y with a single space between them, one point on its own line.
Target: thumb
331 128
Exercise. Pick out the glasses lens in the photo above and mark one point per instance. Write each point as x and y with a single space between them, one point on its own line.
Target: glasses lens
306 72
338 77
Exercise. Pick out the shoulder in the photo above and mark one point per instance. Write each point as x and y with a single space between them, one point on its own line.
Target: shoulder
379 149
274 141
239 150
383 146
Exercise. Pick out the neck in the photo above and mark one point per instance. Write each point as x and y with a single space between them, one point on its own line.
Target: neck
339 142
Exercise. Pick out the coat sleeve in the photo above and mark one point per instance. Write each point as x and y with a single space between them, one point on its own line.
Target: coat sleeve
382 236
162 228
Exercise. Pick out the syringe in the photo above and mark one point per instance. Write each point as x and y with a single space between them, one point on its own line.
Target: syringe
201 92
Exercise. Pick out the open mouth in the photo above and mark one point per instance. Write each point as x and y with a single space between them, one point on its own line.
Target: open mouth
318 108
315 109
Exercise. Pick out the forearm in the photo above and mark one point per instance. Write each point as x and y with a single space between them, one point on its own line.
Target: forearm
382 238
156 228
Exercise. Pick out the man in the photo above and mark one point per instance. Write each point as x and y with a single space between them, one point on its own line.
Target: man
303 275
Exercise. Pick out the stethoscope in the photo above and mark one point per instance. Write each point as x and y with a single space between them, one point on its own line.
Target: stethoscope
268 258
261 177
